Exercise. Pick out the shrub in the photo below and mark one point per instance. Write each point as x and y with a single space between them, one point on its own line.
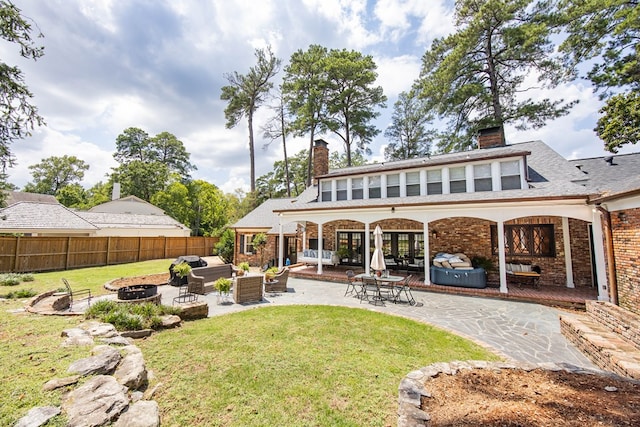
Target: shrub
21 293
27 277
130 317
224 247
244 266
182 269
9 279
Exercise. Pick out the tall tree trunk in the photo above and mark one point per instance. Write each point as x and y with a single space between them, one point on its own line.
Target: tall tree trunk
347 141
310 163
493 81
252 152
284 149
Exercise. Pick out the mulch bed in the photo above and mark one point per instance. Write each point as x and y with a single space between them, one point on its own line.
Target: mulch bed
514 397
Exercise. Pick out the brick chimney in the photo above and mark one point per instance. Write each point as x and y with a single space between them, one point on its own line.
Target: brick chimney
491 137
320 158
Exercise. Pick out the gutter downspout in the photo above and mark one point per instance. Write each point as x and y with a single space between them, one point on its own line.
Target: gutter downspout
611 260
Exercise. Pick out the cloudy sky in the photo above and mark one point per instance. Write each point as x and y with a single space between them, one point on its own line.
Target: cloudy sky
159 66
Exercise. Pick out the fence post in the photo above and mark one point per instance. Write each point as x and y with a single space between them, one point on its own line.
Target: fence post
66 258
16 261
108 250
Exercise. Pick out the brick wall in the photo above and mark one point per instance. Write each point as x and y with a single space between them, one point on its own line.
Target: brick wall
625 227
473 237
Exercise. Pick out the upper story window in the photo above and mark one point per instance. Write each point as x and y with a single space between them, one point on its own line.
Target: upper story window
457 180
482 177
510 175
374 187
341 189
393 185
357 186
434 181
413 183
325 190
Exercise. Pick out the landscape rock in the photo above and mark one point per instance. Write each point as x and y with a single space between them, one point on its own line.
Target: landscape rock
75 332
98 329
38 416
144 413
78 341
102 363
131 371
137 334
171 321
117 340
60 382
97 402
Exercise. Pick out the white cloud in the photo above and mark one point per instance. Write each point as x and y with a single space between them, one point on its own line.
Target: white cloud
397 74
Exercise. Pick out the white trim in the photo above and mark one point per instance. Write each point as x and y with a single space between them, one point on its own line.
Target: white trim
568 261
598 249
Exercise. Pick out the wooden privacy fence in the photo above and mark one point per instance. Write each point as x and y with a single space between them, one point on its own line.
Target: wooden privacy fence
39 253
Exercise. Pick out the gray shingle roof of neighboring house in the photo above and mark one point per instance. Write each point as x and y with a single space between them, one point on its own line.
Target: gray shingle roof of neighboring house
122 220
550 176
42 216
264 217
610 174
20 196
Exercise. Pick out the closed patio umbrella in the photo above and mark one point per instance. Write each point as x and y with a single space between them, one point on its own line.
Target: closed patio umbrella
377 259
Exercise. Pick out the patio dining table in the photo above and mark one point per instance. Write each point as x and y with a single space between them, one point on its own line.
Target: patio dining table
385 284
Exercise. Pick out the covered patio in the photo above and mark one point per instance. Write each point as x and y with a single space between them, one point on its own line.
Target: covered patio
544 294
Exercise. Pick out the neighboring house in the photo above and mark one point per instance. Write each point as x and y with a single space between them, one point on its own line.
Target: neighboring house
44 216
526 195
43 219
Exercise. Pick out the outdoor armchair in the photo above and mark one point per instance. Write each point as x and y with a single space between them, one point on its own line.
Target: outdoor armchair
76 293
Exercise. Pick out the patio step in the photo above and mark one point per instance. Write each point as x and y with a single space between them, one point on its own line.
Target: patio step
605 348
615 318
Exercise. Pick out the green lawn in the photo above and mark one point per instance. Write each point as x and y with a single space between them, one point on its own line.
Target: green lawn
294 365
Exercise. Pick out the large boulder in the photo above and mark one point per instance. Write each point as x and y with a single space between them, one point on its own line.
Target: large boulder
102 363
97 402
38 416
144 413
131 371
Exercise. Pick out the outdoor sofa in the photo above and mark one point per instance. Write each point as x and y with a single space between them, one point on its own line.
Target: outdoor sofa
310 256
201 279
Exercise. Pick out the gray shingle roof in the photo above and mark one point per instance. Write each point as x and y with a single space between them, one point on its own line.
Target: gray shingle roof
42 216
21 196
620 174
550 176
264 217
121 220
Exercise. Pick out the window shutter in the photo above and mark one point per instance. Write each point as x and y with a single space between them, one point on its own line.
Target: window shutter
241 244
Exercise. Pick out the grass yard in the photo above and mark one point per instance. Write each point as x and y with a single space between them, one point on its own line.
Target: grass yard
294 365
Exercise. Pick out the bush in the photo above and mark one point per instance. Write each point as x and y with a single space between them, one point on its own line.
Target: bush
224 247
27 277
21 293
129 317
10 279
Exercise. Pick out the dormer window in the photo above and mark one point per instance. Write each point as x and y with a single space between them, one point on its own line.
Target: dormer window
510 175
341 189
325 194
374 187
413 183
457 180
393 185
357 186
482 177
434 181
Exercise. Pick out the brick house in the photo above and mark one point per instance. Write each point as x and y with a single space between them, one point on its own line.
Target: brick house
547 211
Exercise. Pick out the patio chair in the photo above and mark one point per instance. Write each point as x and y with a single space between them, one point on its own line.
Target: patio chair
76 293
354 287
391 263
279 282
407 292
371 291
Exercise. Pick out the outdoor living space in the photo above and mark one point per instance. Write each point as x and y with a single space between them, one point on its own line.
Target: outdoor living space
558 247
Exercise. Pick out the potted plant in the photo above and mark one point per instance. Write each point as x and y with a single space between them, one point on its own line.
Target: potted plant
483 262
243 268
223 286
343 253
182 270
270 274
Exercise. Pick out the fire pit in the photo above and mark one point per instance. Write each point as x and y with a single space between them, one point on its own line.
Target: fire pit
139 294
